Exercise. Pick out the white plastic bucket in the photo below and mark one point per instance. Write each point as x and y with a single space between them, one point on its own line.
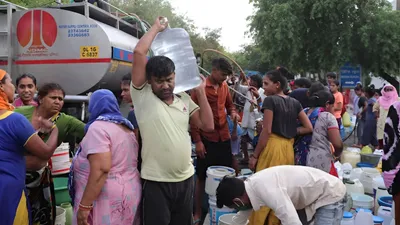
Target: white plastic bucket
226 219
60 216
214 176
362 201
60 160
216 212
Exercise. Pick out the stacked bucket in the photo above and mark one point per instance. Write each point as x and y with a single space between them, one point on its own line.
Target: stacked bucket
214 176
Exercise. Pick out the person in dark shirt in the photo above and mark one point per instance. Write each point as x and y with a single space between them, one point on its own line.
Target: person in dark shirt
362 105
303 89
275 144
126 97
301 95
370 120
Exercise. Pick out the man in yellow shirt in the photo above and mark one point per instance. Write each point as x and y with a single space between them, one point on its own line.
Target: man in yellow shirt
163 119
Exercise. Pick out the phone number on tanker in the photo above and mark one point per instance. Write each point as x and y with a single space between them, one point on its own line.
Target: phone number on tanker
78 35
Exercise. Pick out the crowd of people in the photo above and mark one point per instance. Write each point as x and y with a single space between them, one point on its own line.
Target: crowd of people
139 170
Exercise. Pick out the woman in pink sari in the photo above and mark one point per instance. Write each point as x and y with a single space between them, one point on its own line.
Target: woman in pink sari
104 181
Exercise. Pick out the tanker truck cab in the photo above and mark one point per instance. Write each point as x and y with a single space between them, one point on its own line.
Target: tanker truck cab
79 46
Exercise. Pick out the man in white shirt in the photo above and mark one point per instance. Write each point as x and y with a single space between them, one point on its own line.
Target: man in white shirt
286 189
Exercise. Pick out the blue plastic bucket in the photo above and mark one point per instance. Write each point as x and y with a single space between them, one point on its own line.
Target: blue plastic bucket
385 201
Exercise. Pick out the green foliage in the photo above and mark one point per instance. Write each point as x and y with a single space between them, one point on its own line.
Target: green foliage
321 35
252 57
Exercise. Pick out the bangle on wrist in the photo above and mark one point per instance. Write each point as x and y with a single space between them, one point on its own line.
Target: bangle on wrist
85 207
253 156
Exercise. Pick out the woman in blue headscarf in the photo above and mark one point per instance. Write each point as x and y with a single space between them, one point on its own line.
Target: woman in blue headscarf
104 181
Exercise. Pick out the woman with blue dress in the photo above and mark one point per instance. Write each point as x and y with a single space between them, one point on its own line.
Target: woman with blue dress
17 134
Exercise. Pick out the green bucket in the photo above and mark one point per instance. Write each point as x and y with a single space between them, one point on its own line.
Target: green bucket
61 190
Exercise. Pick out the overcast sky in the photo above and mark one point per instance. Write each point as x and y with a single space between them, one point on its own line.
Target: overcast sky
230 15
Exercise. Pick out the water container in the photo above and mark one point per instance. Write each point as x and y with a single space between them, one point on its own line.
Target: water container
380 192
365 165
377 220
214 176
347 219
174 43
362 201
356 173
352 187
363 209
386 201
227 219
364 218
351 157
386 214
68 212
60 162
393 222
367 177
346 168
60 216
216 212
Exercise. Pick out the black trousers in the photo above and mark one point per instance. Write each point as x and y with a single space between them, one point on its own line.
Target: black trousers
218 154
167 203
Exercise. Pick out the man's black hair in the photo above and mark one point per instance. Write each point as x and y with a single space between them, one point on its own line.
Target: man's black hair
336 82
370 91
257 79
303 82
331 75
228 189
358 88
159 66
126 79
222 65
315 87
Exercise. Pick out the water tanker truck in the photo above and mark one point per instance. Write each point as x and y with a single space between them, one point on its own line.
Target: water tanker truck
78 45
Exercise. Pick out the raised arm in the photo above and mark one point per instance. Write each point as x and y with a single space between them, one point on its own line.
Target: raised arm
203 118
140 52
230 107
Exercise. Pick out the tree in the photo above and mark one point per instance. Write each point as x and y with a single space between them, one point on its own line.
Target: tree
322 35
252 57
